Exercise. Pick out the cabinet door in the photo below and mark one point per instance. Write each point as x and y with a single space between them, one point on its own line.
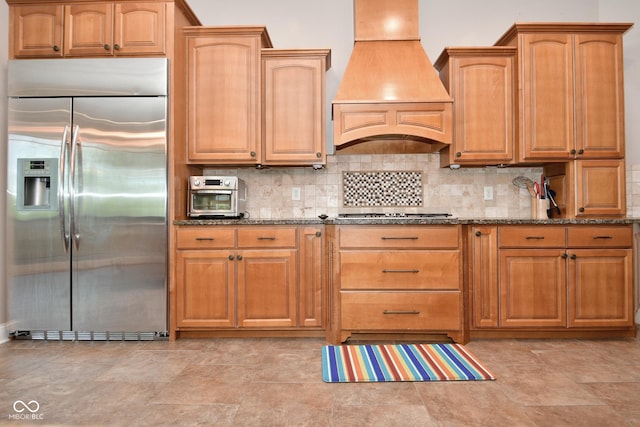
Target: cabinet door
483 273
223 108
266 288
139 28
311 294
547 97
484 109
600 288
599 95
36 30
88 29
600 187
533 288
205 292
294 110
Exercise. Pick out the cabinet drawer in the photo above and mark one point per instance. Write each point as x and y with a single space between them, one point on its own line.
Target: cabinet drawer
532 237
205 237
433 269
402 237
600 237
400 310
267 237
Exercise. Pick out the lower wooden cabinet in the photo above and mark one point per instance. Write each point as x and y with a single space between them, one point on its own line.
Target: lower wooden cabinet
253 277
551 278
396 279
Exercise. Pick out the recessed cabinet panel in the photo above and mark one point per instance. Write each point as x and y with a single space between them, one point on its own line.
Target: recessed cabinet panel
223 81
532 288
140 28
36 31
294 99
482 83
599 96
599 291
206 292
88 29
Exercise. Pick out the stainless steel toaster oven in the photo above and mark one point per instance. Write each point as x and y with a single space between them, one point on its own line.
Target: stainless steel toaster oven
216 197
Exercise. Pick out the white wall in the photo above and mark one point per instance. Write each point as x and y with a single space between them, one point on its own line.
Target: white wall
4 53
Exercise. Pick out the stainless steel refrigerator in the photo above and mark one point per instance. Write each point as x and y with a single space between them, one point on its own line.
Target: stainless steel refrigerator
87 199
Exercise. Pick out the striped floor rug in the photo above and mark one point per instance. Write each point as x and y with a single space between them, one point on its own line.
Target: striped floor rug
401 362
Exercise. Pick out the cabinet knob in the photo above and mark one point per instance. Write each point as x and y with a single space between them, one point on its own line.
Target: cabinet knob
106 47
458 154
581 151
564 256
573 151
239 257
478 233
574 256
318 234
253 154
318 155
581 209
56 48
116 46
230 257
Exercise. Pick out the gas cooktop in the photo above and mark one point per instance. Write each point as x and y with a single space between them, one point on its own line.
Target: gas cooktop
399 215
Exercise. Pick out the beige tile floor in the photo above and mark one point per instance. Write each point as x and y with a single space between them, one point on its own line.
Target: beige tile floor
277 382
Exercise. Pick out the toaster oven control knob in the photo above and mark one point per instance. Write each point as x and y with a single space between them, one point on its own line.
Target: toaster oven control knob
196 182
227 183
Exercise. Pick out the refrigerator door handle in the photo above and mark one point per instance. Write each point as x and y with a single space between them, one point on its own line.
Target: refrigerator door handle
61 191
75 145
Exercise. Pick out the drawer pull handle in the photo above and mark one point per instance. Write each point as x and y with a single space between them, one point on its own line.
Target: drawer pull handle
266 238
400 271
602 237
399 238
534 237
205 238
400 312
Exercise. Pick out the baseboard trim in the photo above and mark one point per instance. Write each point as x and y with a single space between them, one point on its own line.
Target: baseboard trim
4 333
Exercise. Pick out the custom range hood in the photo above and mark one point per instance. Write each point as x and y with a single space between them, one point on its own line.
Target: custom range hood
391 99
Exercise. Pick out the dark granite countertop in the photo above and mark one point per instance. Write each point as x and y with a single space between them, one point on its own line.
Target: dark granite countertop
409 221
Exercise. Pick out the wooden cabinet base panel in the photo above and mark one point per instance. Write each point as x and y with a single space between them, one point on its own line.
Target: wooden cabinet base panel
244 333
460 337
554 334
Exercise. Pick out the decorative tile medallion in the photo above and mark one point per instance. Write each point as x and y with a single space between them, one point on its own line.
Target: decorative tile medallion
388 188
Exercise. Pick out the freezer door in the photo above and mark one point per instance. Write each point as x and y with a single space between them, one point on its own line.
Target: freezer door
38 266
119 222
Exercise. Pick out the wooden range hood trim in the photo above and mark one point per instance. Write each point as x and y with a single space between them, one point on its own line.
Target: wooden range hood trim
421 121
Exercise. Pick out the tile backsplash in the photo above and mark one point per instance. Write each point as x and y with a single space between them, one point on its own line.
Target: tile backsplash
382 189
459 192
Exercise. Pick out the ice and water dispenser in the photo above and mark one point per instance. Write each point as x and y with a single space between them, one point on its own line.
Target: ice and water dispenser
37 184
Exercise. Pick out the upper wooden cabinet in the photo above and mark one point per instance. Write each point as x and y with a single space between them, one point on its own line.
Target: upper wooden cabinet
293 106
223 79
88 29
481 81
250 104
571 93
589 188
36 30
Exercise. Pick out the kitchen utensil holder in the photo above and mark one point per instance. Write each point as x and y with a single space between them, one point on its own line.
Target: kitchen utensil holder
539 208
